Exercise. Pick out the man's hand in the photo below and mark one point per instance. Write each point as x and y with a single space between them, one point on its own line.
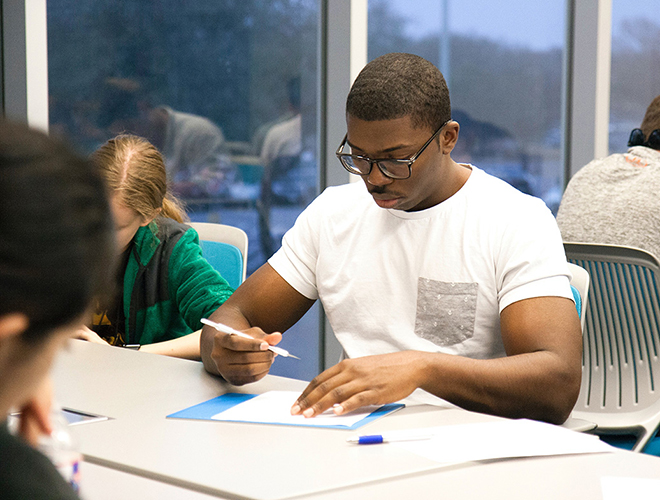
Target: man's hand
265 300
354 383
85 333
242 361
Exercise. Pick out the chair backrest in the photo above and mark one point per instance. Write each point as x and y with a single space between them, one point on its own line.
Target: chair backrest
580 283
621 368
225 247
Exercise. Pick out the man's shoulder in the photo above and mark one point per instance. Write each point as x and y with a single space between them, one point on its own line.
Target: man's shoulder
620 172
602 168
193 125
351 193
502 197
339 203
285 127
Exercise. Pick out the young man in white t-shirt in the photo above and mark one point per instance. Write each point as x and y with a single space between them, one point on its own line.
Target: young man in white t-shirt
451 282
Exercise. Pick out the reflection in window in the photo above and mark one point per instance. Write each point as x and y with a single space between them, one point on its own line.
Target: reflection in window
635 79
503 65
226 90
206 82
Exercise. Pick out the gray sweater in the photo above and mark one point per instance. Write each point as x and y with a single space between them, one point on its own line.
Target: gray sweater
615 200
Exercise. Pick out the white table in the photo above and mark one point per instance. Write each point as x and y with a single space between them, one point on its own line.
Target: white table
237 460
105 483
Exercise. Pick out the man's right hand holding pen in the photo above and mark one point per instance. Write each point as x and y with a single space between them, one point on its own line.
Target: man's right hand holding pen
240 360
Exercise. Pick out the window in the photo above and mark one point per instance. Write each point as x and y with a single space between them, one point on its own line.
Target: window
503 65
226 90
635 79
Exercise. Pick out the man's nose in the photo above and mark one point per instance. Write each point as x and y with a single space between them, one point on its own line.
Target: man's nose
376 177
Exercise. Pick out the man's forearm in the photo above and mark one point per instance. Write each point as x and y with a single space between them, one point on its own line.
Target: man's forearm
538 385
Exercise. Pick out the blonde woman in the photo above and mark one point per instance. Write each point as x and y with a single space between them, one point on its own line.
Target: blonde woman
164 285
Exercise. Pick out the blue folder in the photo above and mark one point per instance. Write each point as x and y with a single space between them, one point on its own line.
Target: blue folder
206 410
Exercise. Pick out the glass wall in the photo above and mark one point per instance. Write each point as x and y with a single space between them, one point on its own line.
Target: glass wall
503 65
635 67
227 90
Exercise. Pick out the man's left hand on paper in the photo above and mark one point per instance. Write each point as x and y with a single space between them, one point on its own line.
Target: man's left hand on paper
354 383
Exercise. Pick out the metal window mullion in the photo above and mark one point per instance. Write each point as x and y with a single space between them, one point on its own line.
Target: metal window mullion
587 82
25 62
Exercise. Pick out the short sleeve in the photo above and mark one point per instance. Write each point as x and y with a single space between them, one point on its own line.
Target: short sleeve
532 262
297 259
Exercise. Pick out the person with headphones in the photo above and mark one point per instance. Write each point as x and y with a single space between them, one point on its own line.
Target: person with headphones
614 200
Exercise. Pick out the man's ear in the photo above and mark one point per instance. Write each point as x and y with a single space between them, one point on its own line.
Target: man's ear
13 324
449 136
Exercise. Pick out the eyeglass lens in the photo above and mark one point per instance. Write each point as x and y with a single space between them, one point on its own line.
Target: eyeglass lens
389 168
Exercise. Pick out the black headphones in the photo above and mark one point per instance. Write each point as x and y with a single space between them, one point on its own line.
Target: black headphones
637 138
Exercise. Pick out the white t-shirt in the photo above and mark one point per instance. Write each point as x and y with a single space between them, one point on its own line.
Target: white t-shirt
433 280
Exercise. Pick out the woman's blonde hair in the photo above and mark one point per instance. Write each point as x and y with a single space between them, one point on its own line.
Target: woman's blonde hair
134 170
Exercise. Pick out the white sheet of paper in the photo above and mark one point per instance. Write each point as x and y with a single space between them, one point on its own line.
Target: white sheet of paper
623 488
274 407
502 439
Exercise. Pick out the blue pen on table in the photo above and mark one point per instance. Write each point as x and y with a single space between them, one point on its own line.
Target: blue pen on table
232 331
388 438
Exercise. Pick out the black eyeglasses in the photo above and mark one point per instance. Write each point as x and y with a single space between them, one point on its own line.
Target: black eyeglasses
637 138
390 167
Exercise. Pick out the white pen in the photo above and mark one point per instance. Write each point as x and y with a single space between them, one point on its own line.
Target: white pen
387 438
232 331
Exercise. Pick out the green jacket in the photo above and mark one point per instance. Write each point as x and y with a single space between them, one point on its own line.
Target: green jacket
168 285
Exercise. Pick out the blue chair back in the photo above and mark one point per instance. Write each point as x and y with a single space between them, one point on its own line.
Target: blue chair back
226 259
578 300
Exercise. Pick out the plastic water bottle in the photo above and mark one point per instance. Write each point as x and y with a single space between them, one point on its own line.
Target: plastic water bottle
62 450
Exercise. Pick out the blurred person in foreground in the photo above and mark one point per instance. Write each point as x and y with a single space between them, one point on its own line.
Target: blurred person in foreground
56 252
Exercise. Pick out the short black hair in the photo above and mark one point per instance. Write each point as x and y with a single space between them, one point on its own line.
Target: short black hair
397 85
57 244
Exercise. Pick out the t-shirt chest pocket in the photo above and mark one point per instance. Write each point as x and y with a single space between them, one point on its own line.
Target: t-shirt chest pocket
445 311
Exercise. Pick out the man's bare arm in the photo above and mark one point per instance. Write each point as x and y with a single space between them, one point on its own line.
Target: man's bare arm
264 306
539 378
